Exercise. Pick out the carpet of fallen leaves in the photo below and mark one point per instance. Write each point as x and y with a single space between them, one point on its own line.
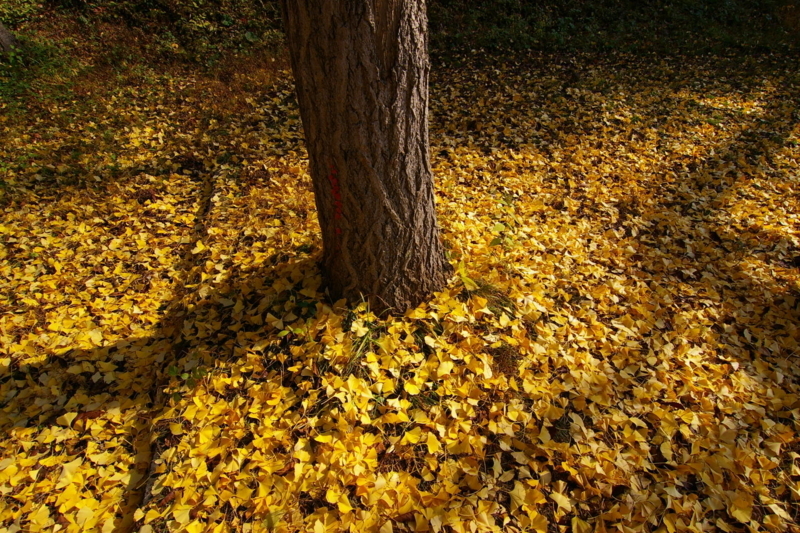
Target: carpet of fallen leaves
618 350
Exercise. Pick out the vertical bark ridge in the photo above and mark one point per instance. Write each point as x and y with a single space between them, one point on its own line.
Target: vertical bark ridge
361 70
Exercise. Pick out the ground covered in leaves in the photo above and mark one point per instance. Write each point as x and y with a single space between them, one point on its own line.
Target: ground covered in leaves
618 350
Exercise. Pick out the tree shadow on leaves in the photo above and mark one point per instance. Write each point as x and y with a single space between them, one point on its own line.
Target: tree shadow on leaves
106 406
716 309
691 213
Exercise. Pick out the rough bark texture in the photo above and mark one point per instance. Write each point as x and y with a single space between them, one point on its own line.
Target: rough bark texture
361 69
7 40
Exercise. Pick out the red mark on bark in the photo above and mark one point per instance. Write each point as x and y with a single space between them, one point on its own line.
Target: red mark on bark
333 178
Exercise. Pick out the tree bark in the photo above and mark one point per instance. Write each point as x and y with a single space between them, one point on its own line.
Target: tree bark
7 40
361 71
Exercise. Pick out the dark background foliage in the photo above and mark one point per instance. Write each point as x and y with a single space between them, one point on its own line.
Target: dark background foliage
202 30
683 26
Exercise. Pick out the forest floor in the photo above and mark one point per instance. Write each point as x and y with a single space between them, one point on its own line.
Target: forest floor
618 350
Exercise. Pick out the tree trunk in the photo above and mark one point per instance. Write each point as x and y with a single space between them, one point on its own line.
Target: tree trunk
7 40
361 70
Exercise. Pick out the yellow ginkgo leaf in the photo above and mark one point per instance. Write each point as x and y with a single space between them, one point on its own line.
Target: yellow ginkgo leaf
413 436
562 501
411 388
